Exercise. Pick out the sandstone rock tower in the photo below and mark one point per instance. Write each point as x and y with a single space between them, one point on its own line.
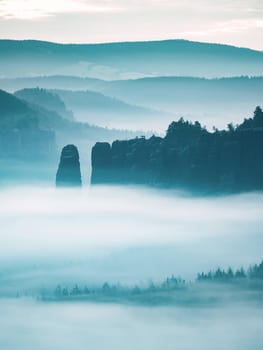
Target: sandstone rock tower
68 174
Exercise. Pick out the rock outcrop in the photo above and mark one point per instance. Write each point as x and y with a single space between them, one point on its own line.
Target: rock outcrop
188 157
101 160
68 174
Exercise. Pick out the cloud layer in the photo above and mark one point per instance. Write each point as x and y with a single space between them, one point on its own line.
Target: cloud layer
31 325
36 9
123 234
237 22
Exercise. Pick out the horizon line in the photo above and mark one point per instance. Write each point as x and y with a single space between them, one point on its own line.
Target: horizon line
130 42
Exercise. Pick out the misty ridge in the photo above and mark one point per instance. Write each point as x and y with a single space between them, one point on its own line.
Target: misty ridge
174 81
210 289
97 108
154 101
128 60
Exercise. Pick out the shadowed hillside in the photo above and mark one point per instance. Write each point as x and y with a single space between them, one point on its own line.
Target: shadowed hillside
45 99
214 102
25 132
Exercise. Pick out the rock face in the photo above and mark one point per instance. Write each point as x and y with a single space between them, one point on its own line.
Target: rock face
188 157
68 174
101 160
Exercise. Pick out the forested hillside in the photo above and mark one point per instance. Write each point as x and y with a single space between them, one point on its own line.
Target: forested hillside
188 156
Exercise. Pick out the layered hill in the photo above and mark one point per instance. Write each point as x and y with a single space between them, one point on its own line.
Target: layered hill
24 132
214 102
45 99
99 109
127 60
93 108
30 131
58 82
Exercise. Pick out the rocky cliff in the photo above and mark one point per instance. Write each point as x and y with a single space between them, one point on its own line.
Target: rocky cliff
187 157
68 174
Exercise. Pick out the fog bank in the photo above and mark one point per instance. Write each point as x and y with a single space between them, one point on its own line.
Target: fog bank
124 235
62 326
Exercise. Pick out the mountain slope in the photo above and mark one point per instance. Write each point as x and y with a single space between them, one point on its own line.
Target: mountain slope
127 60
24 132
98 109
18 114
212 101
28 130
45 99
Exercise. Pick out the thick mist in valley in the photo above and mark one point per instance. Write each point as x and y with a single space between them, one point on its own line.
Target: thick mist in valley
62 326
128 235
122 234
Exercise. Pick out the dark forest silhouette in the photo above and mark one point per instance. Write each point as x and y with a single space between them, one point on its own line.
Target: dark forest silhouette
188 156
211 287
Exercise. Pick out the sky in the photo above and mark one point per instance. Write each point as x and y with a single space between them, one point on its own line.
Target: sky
236 22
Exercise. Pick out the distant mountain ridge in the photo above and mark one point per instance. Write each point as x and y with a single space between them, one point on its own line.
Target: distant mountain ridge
214 102
128 59
92 107
99 109
57 82
27 130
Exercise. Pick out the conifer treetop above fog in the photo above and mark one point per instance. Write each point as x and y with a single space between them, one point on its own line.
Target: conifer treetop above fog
188 156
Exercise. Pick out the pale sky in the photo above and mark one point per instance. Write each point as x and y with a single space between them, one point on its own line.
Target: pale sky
236 22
